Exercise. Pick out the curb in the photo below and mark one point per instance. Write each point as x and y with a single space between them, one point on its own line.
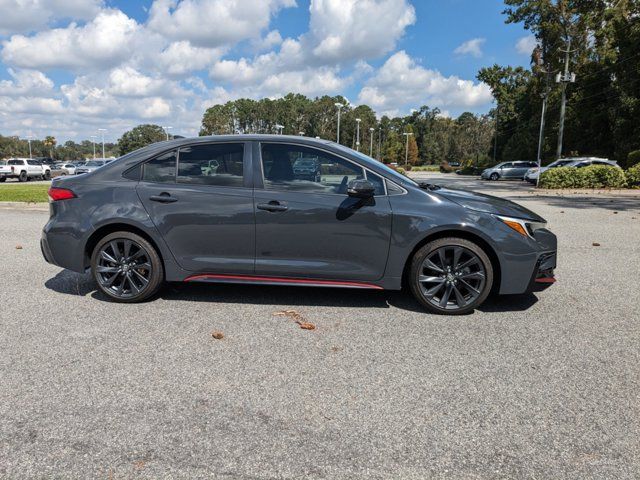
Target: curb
37 207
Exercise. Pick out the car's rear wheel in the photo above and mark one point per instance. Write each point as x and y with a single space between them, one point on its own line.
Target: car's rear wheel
23 177
451 276
494 176
126 267
3 179
47 175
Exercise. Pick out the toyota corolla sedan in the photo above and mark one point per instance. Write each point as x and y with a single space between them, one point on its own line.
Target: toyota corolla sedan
162 214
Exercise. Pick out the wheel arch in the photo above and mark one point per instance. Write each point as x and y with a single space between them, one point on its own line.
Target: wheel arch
109 228
466 235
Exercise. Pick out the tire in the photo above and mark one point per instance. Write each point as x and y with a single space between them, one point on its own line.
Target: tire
47 175
3 179
494 177
23 177
122 280
468 285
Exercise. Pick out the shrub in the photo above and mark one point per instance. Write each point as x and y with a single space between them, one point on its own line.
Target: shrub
445 167
633 158
426 168
593 176
401 170
633 175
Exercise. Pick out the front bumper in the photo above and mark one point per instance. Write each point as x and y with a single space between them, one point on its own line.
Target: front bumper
543 274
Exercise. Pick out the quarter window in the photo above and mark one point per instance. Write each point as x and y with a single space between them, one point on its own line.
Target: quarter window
212 164
299 168
161 169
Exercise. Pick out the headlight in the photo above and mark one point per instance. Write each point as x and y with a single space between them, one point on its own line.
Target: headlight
526 228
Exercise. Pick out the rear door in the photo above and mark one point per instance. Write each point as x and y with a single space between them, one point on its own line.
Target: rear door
307 226
200 199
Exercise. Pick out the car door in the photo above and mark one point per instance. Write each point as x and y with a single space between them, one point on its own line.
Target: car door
204 215
505 170
309 227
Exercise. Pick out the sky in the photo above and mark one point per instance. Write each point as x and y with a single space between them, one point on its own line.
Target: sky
70 67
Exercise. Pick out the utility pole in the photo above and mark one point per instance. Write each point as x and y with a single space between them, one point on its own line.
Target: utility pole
545 95
93 140
380 144
339 107
371 130
495 140
29 142
358 120
564 79
102 130
406 150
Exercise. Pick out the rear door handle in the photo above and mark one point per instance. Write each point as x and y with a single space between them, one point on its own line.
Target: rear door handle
164 197
272 206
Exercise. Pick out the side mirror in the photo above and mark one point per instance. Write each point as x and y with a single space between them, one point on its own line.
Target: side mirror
360 189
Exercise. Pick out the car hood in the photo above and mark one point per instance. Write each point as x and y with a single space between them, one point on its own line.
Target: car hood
488 204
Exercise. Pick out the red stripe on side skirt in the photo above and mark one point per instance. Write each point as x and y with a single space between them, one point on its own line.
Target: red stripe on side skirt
301 281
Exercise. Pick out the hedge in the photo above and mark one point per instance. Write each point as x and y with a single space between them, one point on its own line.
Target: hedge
633 176
593 176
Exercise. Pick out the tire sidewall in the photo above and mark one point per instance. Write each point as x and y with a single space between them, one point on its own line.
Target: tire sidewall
157 276
494 177
430 247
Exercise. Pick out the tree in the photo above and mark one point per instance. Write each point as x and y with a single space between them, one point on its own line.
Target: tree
139 137
412 155
50 142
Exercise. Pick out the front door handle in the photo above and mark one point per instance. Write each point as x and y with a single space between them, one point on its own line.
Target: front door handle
164 197
272 206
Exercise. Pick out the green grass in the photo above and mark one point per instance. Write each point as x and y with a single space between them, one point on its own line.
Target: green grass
24 193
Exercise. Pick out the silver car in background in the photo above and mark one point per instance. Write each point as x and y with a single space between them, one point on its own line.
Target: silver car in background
92 165
508 170
578 162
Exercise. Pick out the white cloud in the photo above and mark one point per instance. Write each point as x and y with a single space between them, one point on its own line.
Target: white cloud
525 45
213 23
269 41
471 47
31 105
181 58
343 30
401 83
102 43
26 82
21 16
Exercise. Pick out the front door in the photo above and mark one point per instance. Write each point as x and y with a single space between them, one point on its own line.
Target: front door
202 205
306 224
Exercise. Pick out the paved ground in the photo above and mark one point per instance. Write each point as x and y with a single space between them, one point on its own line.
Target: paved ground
541 386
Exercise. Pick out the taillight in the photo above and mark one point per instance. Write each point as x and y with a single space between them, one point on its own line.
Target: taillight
57 193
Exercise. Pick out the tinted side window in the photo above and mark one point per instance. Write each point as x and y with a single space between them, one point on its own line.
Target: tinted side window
295 167
507 165
212 164
161 169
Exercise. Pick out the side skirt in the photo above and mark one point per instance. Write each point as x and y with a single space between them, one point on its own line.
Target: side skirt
259 280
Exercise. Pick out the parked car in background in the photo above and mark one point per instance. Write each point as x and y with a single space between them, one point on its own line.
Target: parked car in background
508 170
307 168
154 215
533 173
69 168
586 161
24 169
91 165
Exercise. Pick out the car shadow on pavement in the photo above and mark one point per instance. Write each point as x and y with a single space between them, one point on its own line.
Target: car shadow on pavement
71 283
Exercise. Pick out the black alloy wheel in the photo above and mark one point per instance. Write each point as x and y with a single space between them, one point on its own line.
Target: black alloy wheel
451 276
126 267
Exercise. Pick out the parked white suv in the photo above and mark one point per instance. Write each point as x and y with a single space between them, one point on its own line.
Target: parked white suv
24 169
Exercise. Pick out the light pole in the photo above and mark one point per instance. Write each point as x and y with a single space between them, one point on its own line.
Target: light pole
166 131
564 79
29 142
406 151
379 144
358 120
93 140
279 128
339 106
371 130
102 130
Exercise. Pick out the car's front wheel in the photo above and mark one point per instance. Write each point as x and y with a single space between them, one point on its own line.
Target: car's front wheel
494 176
451 276
126 267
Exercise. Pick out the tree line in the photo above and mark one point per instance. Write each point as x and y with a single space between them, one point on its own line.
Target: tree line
11 146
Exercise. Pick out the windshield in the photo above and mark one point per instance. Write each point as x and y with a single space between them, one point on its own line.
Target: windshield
94 163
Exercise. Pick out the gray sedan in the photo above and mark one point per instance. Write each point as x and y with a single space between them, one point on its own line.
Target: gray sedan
508 170
162 214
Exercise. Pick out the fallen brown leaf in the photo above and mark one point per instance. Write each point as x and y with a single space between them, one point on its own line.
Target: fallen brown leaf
18 247
306 325
561 211
615 213
139 465
595 244
217 335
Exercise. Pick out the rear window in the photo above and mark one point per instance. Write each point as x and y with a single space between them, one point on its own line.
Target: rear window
161 169
15 162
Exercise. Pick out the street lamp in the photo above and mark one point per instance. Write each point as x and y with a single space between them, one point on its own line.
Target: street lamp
93 140
279 128
371 130
358 134
166 131
29 142
339 106
406 151
102 130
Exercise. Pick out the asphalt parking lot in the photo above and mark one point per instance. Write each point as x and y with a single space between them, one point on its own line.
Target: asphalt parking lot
537 386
